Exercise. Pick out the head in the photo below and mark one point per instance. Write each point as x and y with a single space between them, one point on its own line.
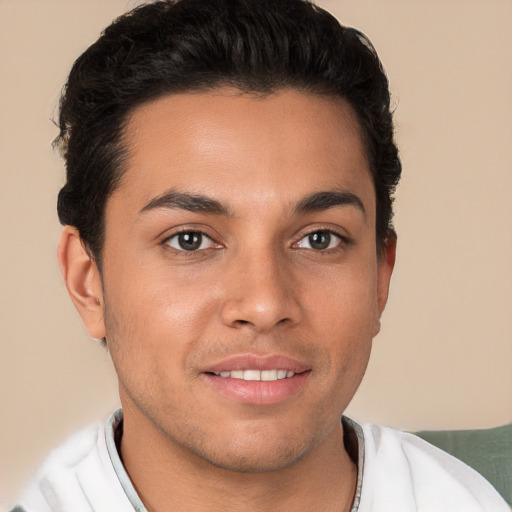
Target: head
228 208
169 47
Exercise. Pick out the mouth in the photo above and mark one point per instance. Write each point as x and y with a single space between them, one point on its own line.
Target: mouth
258 380
254 375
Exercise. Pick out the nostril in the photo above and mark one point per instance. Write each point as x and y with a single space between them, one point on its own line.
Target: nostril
261 309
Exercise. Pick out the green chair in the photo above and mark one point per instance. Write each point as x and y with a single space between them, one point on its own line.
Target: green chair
488 451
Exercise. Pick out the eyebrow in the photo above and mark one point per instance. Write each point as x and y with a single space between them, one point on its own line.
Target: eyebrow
317 202
321 201
184 201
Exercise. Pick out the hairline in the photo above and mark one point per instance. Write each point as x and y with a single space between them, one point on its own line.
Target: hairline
237 87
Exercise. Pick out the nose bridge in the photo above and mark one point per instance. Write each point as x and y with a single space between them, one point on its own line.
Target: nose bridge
260 290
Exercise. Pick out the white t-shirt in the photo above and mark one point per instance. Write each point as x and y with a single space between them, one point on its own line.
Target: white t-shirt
397 472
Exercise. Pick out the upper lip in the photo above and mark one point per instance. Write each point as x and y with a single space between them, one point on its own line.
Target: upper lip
257 362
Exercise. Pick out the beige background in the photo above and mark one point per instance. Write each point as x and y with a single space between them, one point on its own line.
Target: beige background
444 357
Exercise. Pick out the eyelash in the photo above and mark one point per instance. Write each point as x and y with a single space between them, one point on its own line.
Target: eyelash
342 241
193 232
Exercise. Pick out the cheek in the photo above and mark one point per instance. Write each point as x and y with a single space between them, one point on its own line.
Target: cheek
161 298
343 301
154 321
345 329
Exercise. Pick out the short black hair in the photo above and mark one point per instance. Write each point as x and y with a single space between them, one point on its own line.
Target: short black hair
174 46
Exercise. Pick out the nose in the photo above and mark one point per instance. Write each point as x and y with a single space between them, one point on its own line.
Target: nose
260 294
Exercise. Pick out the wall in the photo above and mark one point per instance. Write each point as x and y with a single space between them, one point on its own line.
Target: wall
443 359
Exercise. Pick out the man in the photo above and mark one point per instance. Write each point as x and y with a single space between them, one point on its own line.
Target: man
228 235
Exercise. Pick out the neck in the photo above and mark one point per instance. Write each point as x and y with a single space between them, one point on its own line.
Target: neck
323 480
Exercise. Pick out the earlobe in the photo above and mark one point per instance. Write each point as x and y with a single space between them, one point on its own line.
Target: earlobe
385 267
83 281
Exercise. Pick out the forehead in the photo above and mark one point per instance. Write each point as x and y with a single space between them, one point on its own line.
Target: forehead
244 147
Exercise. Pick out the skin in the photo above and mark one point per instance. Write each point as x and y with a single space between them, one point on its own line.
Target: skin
256 286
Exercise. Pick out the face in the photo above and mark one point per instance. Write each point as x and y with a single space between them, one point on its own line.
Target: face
241 287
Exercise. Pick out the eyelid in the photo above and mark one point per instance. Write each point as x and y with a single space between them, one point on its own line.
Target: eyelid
339 232
189 229
331 234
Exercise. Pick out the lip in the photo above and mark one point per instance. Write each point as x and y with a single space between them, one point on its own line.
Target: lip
257 362
257 392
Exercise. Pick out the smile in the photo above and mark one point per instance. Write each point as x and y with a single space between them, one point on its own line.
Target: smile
257 379
263 375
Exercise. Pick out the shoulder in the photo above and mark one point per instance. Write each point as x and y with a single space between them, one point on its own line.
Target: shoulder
76 476
57 474
404 473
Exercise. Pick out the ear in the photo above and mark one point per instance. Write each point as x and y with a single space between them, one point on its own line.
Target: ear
83 281
385 265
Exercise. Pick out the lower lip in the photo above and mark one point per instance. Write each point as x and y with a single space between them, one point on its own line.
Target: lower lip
257 392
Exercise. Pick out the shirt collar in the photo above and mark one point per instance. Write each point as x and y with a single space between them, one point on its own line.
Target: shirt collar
353 440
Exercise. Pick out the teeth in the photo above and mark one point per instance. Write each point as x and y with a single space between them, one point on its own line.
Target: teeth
265 375
268 374
252 375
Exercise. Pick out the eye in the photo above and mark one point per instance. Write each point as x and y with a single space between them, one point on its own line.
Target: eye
190 241
320 240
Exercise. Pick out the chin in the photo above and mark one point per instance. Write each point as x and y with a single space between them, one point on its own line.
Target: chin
256 453
254 461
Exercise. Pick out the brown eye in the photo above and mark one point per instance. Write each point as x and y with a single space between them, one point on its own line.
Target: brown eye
320 240
190 241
